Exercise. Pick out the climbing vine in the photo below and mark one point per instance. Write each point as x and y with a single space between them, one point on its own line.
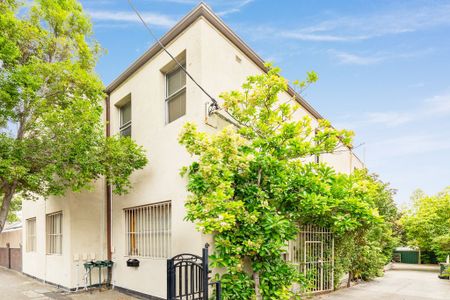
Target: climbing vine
253 183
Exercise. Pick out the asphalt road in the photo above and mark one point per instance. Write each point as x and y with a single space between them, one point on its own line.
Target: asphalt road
403 282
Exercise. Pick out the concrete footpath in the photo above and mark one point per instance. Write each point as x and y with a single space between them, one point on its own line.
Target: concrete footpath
402 282
16 286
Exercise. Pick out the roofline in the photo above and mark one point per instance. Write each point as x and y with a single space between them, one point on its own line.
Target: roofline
202 10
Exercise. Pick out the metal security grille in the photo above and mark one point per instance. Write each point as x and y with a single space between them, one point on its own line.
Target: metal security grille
313 253
54 233
148 230
31 235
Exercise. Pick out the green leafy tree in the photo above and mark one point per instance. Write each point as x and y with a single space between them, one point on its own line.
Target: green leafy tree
362 252
51 133
253 184
427 223
14 209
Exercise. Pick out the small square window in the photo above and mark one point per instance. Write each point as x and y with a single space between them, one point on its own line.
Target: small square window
175 94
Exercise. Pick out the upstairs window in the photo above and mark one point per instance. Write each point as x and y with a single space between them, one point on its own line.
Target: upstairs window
175 94
125 119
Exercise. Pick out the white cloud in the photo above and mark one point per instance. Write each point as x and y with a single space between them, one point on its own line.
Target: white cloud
302 36
438 105
223 7
417 85
374 58
236 6
410 145
433 107
389 118
346 29
151 18
354 59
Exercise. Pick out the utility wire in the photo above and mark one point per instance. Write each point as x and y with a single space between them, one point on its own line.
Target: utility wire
215 105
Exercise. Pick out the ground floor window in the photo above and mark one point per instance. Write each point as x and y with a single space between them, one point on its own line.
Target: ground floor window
31 235
54 233
148 230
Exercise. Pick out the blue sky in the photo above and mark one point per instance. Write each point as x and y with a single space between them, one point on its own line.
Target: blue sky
384 68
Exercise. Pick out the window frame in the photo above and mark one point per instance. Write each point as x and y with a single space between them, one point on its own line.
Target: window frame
168 98
151 237
30 236
49 236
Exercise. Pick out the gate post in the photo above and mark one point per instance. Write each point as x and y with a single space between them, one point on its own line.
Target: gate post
170 281
218 290
205 272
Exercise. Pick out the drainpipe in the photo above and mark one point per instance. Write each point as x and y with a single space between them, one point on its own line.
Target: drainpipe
108 192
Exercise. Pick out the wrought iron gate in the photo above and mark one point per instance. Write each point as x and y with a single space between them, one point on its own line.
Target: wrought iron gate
313 253
188 277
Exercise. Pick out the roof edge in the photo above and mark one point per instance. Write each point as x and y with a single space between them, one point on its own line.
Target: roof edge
202 10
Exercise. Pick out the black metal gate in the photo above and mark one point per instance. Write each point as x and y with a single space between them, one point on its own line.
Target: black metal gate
188 277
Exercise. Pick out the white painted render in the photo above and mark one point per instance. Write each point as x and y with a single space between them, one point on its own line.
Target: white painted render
219 66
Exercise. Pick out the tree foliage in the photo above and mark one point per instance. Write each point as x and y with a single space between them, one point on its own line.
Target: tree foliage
51 132
363 252
251 186
427 223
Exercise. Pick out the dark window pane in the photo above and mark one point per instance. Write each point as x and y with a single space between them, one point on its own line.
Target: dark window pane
177 106
125 114
175 81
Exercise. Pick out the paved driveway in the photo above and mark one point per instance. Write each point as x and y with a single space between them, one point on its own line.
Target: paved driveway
403 282
16 286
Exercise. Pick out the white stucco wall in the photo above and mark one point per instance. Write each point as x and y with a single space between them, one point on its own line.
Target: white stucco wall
52 268
11 237
160 180
83 236
211 59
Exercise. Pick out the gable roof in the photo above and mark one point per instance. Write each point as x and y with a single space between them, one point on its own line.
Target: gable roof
202 10
12 226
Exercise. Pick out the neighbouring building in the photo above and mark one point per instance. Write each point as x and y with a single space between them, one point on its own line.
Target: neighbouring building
11 246
150 101
407 255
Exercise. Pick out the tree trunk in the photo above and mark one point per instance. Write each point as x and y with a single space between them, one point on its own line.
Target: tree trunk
257 289
349 281
8 195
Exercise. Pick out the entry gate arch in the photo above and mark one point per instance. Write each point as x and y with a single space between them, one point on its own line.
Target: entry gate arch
188 277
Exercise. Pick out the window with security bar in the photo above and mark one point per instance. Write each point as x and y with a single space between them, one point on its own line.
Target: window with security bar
148 230
54 233
31 235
